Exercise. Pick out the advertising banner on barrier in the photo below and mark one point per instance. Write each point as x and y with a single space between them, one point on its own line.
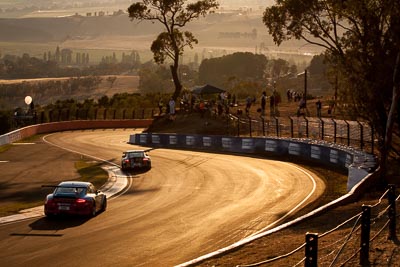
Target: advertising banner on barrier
264 146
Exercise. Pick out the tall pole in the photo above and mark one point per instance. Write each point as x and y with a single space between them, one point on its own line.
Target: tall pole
305 88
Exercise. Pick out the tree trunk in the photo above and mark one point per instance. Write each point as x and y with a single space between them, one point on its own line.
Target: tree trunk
390 120
175 77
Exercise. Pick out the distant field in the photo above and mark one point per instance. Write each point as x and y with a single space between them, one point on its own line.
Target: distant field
94 48
123 84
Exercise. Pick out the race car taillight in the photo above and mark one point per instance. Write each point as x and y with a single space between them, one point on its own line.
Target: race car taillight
50 201
126 161
145 159
80 201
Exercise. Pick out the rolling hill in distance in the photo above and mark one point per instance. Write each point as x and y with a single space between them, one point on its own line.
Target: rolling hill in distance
85 25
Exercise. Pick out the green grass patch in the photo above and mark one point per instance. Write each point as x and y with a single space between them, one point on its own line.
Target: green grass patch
90 171
31 139
15 207
4 148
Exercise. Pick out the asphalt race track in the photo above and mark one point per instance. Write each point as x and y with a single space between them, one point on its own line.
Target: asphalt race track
189 204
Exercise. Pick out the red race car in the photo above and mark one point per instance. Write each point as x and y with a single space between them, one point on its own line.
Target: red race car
75 198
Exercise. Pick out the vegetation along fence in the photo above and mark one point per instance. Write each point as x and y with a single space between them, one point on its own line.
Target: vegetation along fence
355 238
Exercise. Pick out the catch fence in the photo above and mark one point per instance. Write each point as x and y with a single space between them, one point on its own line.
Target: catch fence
355 238
350 133
57 115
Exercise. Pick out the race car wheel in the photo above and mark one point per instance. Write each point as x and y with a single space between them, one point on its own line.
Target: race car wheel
104 204
93 214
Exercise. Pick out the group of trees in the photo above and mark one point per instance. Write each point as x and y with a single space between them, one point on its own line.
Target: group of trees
361 39
64 57
52 89
59 64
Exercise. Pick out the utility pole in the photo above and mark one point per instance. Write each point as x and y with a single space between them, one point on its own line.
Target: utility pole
305 88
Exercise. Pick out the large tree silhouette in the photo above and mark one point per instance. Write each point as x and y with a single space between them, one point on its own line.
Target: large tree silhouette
173 15
362 42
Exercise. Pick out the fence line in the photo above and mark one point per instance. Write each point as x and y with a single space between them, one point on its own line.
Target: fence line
350 133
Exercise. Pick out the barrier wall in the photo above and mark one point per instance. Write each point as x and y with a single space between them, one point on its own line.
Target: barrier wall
70 125
359 163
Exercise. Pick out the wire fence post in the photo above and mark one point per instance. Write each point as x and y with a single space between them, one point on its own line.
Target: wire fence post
291 127
263 125
348 132
372 139
307 130
365 234
322 129
392 212
361 135
238 126
250 130
277 126
311 250
334 131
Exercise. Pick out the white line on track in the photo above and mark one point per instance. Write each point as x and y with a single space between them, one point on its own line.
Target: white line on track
297 206
123 185
254 235
20 144
119 185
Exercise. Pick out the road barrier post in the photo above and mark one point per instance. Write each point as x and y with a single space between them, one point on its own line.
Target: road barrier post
291 127
348 132
238 126
392 212
250 125
334 131
361 135
307 132
263 126
311 250
365 234
322 129
277 126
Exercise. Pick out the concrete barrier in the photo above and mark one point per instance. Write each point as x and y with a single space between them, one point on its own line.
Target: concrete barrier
69 126
358 163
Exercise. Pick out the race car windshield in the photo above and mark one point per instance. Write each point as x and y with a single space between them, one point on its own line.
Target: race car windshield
70 190
136 155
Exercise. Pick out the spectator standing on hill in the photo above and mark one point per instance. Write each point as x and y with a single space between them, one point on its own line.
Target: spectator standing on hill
272 104
263 102
202 108
160 106
249 100
171 105
319 107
